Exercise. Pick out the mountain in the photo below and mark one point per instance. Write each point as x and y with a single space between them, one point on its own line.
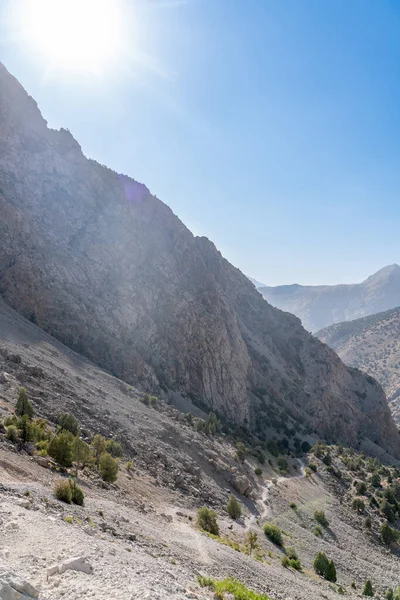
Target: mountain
321 305
97 261
373 345
256 283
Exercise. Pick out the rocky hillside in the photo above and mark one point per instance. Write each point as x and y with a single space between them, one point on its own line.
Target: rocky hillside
97 261
373 345
322 305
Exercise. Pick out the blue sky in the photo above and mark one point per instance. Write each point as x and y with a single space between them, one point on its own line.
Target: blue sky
270 126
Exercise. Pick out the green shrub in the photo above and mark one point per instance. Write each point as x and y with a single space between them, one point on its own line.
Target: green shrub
295 564
60 448
389 594
98 447
340 590
321 564
327 459
313 467
108 468
12 433
320 517
207 520
129 465
368 523
293 506
368 590
145 400
353 585
324 567
153 401
251 542
387 511
283 464
291 553
25 428
67 422
375 480
358 505
233 507
114 448
23 406
285 562
81 453
273 533
77 495
62 490
331 572
258 471
230 586
308 472
241 451
361 488
317 531
388 535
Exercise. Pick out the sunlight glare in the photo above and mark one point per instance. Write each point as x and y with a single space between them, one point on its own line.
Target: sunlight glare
75 35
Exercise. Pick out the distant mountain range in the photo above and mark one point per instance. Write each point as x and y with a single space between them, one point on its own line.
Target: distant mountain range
373 345
322 305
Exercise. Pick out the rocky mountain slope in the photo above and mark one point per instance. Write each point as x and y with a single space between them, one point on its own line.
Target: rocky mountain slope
373 345
138 537
321 305
97 261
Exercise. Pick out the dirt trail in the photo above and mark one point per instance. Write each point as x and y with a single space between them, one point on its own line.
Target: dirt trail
265 494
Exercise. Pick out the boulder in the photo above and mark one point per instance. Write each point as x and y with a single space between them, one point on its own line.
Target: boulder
14 587
79 563
242 485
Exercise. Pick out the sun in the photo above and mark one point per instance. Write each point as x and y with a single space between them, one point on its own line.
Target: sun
85 36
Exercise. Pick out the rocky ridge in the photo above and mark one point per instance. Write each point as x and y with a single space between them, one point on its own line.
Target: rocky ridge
322 305
371 344
104 266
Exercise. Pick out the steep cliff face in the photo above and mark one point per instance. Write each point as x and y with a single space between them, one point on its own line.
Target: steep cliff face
319 306
96 260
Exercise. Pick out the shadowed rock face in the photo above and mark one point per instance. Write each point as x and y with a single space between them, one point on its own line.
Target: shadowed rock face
97 261
322 305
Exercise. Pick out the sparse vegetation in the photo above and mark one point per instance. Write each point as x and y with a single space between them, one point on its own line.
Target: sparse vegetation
108 468
23 407
368 589
68 491
114 448
67 422
325 567
320 517
388 534
230 586
258 471
251 542
233 507
60 448
317 531
99 447
358 505
273 533
293 506
207 520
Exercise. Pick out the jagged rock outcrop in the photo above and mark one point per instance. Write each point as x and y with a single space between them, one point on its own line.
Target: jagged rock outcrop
319 306
97 261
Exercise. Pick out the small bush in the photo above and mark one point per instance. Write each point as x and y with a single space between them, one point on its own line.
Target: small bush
327 459
368 523
285 562
23 407
98 447
153 401
291 553
293 506
62 490
388 535
340 590
77 495
353 585
67 422
389 594
387 510
145 400
321 563
320 517
361 488
313 467
317 531
258 471
358 505
273 533
60 448
114 448
330 574
108 468
283 464
129 465
295 564
12 433
368 590
375 480
233 507
207 520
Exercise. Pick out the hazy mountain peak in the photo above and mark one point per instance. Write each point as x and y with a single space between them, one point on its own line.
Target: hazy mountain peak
321 306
